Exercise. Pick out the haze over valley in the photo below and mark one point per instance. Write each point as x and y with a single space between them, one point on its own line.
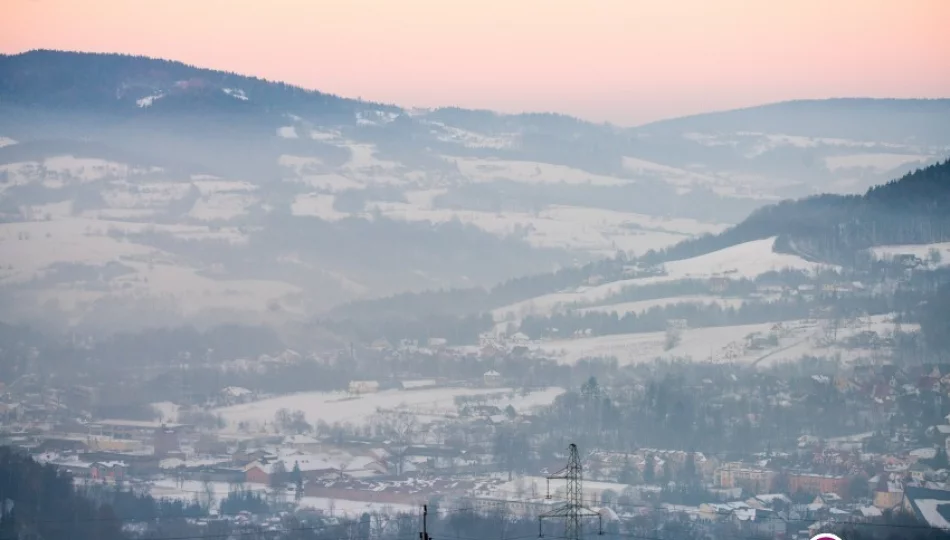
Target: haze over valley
233 307
154 193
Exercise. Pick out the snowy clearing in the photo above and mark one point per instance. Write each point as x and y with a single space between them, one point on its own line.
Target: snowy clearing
747 260
878 162
343 407
471 139
287 132
730 343
148 100
208 187
531 172
316 204
222 206
331 182
236 93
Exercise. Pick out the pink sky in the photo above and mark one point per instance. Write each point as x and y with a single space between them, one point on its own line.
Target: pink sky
624 61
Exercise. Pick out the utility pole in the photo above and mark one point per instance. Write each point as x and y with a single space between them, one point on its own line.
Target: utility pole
573 509
424 535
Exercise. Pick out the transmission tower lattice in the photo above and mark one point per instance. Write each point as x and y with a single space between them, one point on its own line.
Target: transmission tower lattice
573 509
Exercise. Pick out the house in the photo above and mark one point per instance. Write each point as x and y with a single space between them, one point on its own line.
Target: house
311 468
246 457
165 441
888 494
818 483
363 387
492 379
758 522
732 475
108 471
303 443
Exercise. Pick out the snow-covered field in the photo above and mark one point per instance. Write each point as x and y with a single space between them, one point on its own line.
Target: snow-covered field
746 260
191 490
530 172
343 407
878 162
729 343
597 231
222 206
316 204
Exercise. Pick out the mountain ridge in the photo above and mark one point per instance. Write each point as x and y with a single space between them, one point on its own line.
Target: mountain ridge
146 200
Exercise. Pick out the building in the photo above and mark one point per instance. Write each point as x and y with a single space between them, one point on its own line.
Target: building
754 480
492 379
818 483
363 387
311 468
165 441
108 471
888 494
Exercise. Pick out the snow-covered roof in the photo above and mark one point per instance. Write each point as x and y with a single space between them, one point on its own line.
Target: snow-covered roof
924 453
300 439
769 498
110 464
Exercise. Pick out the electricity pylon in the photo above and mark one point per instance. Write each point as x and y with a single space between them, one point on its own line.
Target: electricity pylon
573 509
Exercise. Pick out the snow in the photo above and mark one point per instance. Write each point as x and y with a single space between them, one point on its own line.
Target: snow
56 172
471 139
363 156
287 132
211 186
354 509
599 232
332 182
236 93
332 407
148 101
729 344
420 383
700 344
672 175
167 410
929 510
324 135
222 206
921 251
531 172
58 210
641 306
879 162
747 260
316 204
27 248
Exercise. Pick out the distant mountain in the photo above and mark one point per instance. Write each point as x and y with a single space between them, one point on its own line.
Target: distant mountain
137 191
901 121
135 84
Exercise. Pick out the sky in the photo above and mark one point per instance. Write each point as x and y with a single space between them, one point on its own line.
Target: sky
621 61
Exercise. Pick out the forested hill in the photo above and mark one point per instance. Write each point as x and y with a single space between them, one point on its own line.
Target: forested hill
914 209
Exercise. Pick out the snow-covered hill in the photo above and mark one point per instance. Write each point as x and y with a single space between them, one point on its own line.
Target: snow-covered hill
157 192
